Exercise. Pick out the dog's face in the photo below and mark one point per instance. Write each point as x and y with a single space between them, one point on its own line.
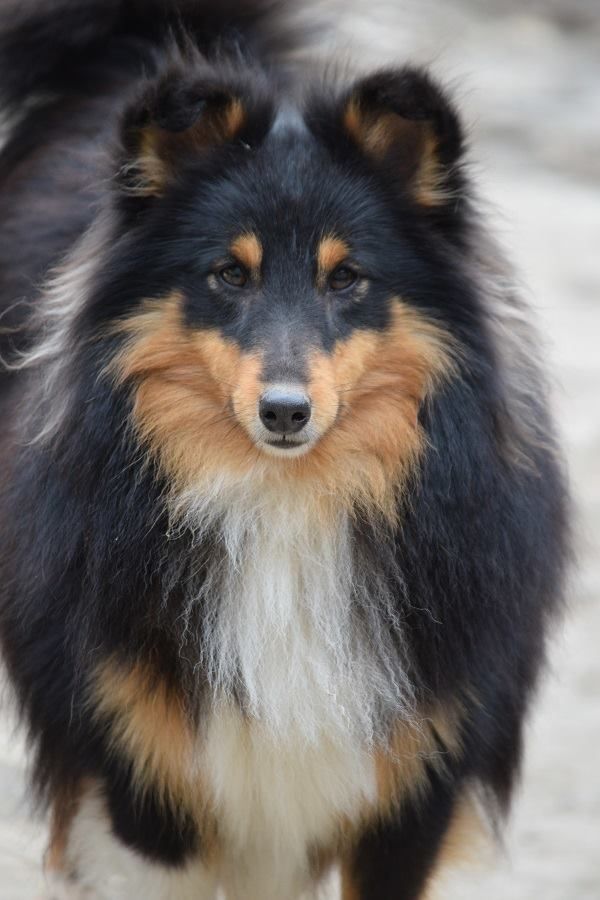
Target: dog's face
288 265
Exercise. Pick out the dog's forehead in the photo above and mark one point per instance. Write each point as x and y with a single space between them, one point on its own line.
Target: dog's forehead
291 190
291 165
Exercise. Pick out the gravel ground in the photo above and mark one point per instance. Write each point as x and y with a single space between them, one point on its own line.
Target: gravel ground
528 75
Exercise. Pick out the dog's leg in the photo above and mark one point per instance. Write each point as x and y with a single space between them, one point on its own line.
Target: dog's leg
85 861
61 883
395 858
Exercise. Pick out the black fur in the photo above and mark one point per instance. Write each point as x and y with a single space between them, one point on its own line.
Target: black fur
86 568
394 859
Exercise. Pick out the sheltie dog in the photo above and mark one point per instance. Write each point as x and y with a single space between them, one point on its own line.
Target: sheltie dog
282 519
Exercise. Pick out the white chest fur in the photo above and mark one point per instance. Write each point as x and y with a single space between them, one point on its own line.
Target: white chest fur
278 801
290 625
283 633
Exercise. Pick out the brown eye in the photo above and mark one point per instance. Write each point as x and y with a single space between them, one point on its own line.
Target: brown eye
234 275
341 278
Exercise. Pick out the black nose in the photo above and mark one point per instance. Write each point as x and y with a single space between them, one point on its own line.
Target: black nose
283 410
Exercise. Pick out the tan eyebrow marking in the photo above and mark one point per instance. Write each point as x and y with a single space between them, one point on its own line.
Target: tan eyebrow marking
247 248
330 253
234 118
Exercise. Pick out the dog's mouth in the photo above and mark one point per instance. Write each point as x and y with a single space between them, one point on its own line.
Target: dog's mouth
286 445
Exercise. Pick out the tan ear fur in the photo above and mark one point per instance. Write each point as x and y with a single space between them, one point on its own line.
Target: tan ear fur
160 149
409 145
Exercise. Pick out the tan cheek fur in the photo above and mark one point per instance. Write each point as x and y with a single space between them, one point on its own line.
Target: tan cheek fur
372 387
186 386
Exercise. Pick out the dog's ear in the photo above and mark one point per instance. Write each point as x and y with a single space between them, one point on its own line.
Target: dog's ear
405 125
178 121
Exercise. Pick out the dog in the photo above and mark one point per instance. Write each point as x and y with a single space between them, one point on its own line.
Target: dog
283 519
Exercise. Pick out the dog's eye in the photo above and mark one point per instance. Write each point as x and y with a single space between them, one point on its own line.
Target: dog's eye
342 278
234 275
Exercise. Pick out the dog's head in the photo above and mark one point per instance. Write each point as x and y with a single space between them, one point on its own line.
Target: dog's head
283 287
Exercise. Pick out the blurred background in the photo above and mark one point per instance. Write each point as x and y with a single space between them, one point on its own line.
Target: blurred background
527 75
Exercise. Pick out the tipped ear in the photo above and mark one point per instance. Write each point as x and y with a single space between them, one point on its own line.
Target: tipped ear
178 121
402 121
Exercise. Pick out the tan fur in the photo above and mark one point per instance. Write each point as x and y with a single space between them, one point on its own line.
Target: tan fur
374 131
152 168
350 890
148 723
429 182
64 809
247 249
193 389
190 387
372 387
355 123
159 149
414 147
353 120
233 119
331 252
402 765
468 844
466 838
